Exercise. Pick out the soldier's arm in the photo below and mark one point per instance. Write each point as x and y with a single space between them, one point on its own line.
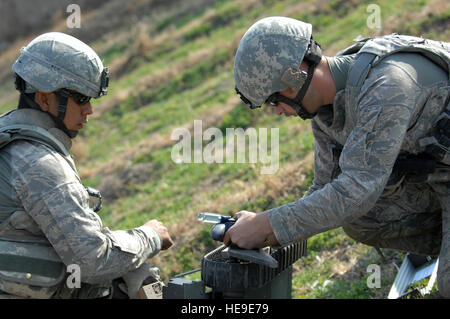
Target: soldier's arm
385 107
53 196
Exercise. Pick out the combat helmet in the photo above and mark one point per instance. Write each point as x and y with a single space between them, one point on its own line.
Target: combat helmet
268 60
57 62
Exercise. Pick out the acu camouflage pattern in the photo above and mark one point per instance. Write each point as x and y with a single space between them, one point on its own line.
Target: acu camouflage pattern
357 141
47 206
56 60
267 50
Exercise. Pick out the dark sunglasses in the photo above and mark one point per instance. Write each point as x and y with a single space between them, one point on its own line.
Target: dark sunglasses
79 98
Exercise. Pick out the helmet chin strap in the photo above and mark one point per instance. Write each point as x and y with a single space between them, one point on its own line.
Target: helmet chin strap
313 56
62 107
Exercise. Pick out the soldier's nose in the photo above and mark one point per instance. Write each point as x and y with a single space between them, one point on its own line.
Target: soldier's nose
87 109
278 110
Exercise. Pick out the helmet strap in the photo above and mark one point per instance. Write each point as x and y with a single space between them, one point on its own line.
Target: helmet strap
62 107
296 105
313 56
59 120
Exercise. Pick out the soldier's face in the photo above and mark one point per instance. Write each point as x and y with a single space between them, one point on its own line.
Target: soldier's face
76 114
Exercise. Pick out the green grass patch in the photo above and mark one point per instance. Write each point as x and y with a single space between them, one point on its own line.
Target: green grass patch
170 191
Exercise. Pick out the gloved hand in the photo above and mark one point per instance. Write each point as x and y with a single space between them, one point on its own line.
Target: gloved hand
135 279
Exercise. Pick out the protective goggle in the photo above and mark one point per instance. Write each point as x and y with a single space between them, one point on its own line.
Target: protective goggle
79 98
277 97
274 99
271 100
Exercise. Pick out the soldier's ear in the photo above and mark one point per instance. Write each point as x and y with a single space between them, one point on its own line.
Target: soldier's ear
43 100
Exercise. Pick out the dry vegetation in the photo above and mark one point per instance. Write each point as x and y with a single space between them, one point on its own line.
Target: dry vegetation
152 45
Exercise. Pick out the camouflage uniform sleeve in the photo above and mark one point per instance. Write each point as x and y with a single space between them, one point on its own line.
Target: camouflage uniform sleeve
385 106
324 160
53 196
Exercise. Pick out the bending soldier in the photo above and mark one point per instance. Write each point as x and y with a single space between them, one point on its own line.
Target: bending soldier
375 108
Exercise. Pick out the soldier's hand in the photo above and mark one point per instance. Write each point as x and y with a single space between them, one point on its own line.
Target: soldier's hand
162 232
250 231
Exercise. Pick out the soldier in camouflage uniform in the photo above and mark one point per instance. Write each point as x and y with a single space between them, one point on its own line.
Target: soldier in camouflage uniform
46 224
374 108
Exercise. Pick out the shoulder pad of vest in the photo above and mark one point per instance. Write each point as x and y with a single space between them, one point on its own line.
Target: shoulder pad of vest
30 132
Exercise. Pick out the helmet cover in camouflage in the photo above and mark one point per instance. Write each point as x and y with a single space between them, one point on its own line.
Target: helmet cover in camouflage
270 48
56 60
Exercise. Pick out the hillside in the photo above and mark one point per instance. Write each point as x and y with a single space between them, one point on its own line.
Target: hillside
171 63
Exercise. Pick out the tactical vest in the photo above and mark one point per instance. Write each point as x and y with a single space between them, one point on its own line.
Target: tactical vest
29 261
433 120
429 132
33 133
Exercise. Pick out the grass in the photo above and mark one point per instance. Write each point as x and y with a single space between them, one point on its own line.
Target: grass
171 71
